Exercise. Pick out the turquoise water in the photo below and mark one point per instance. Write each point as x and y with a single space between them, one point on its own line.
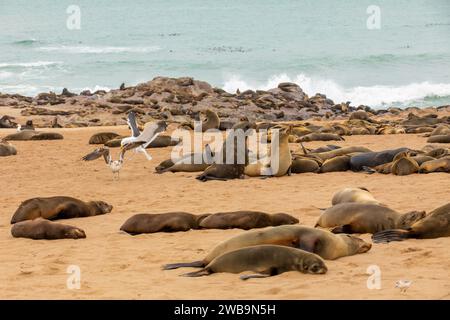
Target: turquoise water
324 46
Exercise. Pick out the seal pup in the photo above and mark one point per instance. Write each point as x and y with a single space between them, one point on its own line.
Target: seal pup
246 220
404 165
435 225
39 229
266 260
303 165
59 207
163 222
7 149
365 218
437 165
328 245
28 126
360 195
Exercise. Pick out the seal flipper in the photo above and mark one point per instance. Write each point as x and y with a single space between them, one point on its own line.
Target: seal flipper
346 228
194 264
308 243
391 235
369 171
254 276
200 273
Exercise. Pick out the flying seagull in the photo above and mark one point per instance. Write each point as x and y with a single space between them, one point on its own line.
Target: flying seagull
139 140
114 165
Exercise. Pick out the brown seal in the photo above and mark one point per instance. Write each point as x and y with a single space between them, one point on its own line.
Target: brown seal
7 149
339 152
102 137
328 245
193 162
282 161
246 220
360 195
404 165
58 207
439 139
437 165
39 229
435 225
28 135
266 260
164 222
365 218
212 121
302 165
321 137
339 163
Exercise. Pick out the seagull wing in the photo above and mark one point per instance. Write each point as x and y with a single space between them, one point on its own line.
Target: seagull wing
131 120
150 131
97 153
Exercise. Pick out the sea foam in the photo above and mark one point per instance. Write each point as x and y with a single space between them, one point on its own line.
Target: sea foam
375 96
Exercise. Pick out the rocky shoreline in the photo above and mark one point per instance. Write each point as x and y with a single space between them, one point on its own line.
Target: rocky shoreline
181 100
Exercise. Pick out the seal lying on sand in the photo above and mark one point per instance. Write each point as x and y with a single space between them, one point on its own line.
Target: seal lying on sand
321 137
102 137
338 163
365 218
29 135
39 229
360 195
373 159
164 222
438 165
246 220
328 245
435 225
439 139
266 260
58 208
190 163
7 149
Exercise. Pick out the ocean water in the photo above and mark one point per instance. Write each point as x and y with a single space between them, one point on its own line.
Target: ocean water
324 46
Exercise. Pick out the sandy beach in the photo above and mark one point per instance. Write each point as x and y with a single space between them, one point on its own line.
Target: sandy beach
115 265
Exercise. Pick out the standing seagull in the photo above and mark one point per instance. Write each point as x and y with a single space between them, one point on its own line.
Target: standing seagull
142 140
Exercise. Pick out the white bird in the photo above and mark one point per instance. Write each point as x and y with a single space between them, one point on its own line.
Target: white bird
403 285
114 165
142 140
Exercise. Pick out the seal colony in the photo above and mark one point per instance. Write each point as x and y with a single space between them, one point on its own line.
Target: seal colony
276 249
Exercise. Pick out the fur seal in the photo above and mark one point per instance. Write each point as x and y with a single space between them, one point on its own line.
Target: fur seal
27 135
102 137
164 222
339 152
246 220
160 141
439 139
327 245
266 260
373 159
360 195
58 207
435 225
302 165
39 229
7 149
404 165
321 137
188 162
437 165
339 163
365 218
212 121
283 155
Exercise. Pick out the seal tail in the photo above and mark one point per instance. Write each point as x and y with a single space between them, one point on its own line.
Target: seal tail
200 273
368 170
194 264
391 235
